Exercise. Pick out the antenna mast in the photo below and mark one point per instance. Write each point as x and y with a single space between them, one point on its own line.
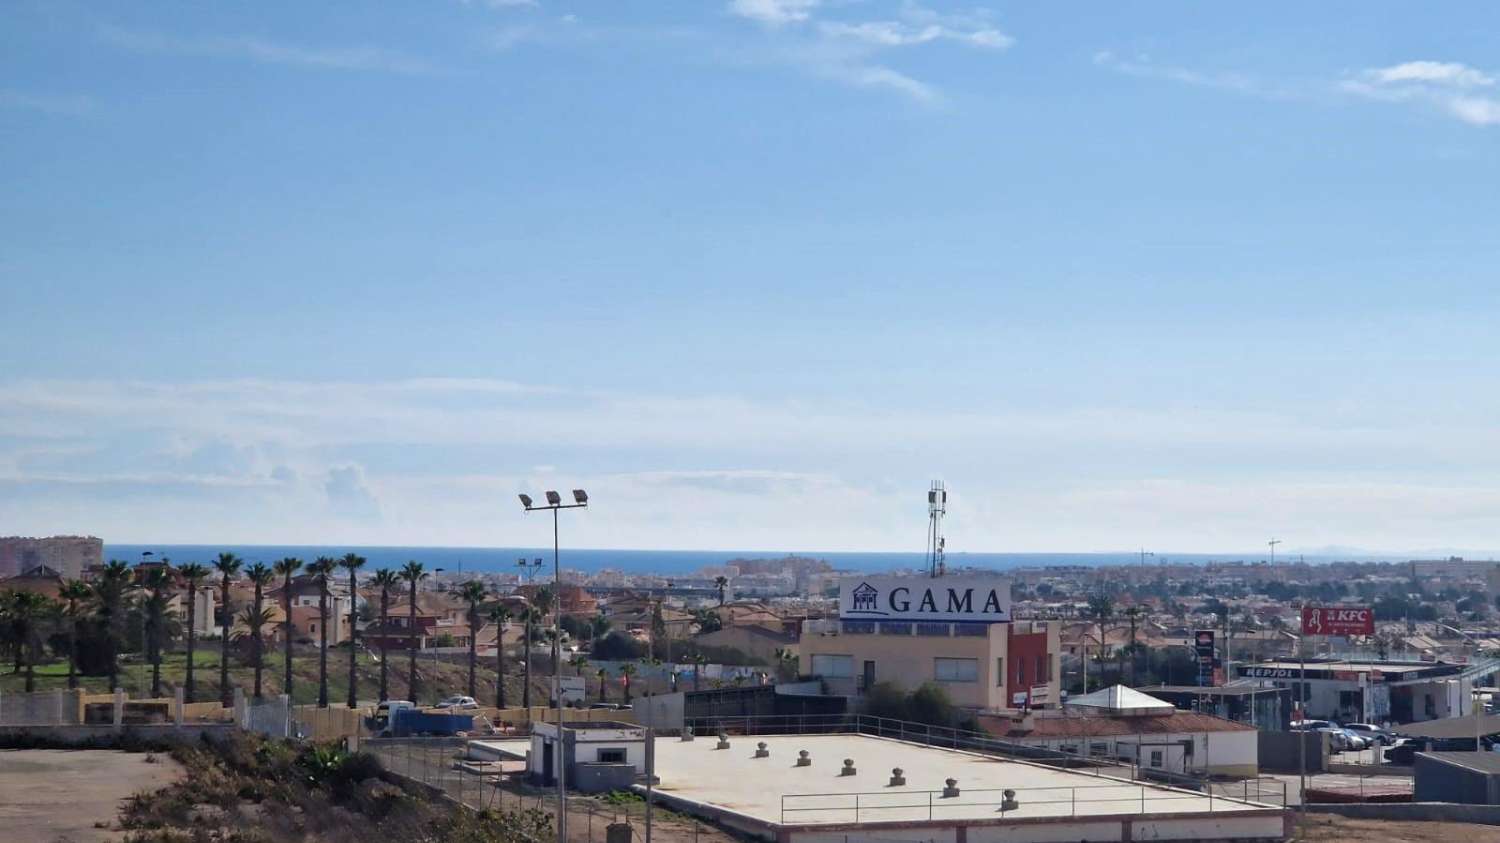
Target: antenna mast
937 505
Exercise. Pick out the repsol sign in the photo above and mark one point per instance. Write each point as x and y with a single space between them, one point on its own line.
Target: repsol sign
966 598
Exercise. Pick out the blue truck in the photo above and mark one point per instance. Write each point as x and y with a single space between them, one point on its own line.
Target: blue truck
406 722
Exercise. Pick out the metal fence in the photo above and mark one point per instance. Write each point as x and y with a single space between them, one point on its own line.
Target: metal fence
443 764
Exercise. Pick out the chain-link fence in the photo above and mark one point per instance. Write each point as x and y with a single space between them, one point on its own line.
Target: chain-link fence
444 765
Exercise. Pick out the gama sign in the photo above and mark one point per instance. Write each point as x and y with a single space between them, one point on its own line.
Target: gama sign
984 599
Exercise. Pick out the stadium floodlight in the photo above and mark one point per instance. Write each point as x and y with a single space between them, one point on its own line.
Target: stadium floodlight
526 501
553 498
580 496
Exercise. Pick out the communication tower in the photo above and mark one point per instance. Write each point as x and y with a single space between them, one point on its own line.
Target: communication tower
937 505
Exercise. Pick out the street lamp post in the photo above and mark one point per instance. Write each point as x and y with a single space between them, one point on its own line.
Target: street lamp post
554 503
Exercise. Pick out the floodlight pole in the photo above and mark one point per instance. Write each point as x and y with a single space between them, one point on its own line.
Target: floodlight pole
554 503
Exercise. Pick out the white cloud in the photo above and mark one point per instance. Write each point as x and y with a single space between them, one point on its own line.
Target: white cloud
846 50
1143 67
1450 87
257 49
1437 72
899 34
432 461
774 12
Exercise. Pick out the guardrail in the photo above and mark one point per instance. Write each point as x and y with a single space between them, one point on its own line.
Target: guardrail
1062 801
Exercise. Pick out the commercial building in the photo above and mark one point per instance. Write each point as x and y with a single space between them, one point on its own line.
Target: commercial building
1373 691
825 788
1122 724
1267 708
67 555
953 631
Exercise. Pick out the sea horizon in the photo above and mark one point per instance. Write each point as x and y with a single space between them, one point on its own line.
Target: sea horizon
645 561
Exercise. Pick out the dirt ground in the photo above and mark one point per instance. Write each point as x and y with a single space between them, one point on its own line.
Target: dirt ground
1327 827
57 796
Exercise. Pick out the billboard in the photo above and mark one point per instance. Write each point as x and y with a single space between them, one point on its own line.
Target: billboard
1338 620
1203 649
984 599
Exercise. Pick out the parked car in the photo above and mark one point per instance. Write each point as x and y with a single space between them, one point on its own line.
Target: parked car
1404 751
458 703
1354 741
1371 732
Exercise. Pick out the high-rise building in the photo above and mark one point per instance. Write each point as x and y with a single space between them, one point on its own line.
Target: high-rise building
68 555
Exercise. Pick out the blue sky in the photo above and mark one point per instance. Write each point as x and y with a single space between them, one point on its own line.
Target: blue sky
754 272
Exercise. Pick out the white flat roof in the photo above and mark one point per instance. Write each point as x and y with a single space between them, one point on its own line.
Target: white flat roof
774 790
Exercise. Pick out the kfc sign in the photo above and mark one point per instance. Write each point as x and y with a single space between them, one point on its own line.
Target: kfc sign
1337 620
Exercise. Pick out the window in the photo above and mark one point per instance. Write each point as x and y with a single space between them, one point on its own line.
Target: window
613 755
1156 758
1021 673
956 670
833 666
1000 673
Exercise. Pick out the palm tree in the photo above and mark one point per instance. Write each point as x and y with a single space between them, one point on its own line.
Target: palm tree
544 604
528 618
352 562
473 593
194 574
1101 609
109 594
699 660
74 593
577 661
157 582
26 609
228 565
261 575
500 616
286 568
413 573
604 689
322 568
721 583
627 670
1134 614
385 580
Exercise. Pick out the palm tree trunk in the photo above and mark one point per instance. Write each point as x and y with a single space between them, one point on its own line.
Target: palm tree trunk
187 690
526 663
323 645
72 647
226 695
385 609
353 601
499 665
411 631
473 644
156 642
286 625
258 644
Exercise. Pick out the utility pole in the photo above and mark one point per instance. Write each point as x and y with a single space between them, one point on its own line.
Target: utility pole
554 503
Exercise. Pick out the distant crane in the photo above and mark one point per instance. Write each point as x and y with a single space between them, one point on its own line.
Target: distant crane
937 506
1273 543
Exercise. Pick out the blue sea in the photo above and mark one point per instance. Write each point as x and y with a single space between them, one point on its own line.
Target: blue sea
455 559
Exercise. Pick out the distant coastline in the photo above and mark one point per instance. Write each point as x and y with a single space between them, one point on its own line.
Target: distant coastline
679 561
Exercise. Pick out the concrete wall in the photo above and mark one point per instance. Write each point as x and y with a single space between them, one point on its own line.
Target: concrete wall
84 735
601 778
660 711
1278 751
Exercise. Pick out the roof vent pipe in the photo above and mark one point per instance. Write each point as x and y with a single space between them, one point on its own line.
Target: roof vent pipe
951 790
803 759
761 751
848 767
897 779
